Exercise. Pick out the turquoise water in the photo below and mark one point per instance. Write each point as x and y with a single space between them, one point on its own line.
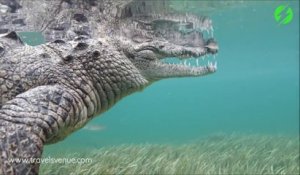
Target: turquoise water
32 38
254 91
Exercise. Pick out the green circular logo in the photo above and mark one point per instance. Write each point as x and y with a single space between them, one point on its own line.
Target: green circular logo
283 14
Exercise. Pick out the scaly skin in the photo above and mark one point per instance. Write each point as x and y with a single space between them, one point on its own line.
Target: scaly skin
51 90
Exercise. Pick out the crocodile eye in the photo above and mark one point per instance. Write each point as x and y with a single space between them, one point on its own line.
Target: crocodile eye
141 39
185 26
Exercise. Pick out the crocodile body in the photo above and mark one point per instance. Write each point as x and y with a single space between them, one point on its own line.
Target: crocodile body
97 52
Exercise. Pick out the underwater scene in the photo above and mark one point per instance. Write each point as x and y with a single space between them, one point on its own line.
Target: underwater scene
242 119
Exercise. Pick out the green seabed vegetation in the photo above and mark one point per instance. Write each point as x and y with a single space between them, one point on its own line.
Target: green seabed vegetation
219 154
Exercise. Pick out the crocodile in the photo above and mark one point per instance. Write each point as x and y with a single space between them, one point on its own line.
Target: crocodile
96 53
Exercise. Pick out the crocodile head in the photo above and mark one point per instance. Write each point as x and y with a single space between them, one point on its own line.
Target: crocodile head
150 38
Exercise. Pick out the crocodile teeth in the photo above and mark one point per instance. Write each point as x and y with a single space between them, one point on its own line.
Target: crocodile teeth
212 65
215 65
209 64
